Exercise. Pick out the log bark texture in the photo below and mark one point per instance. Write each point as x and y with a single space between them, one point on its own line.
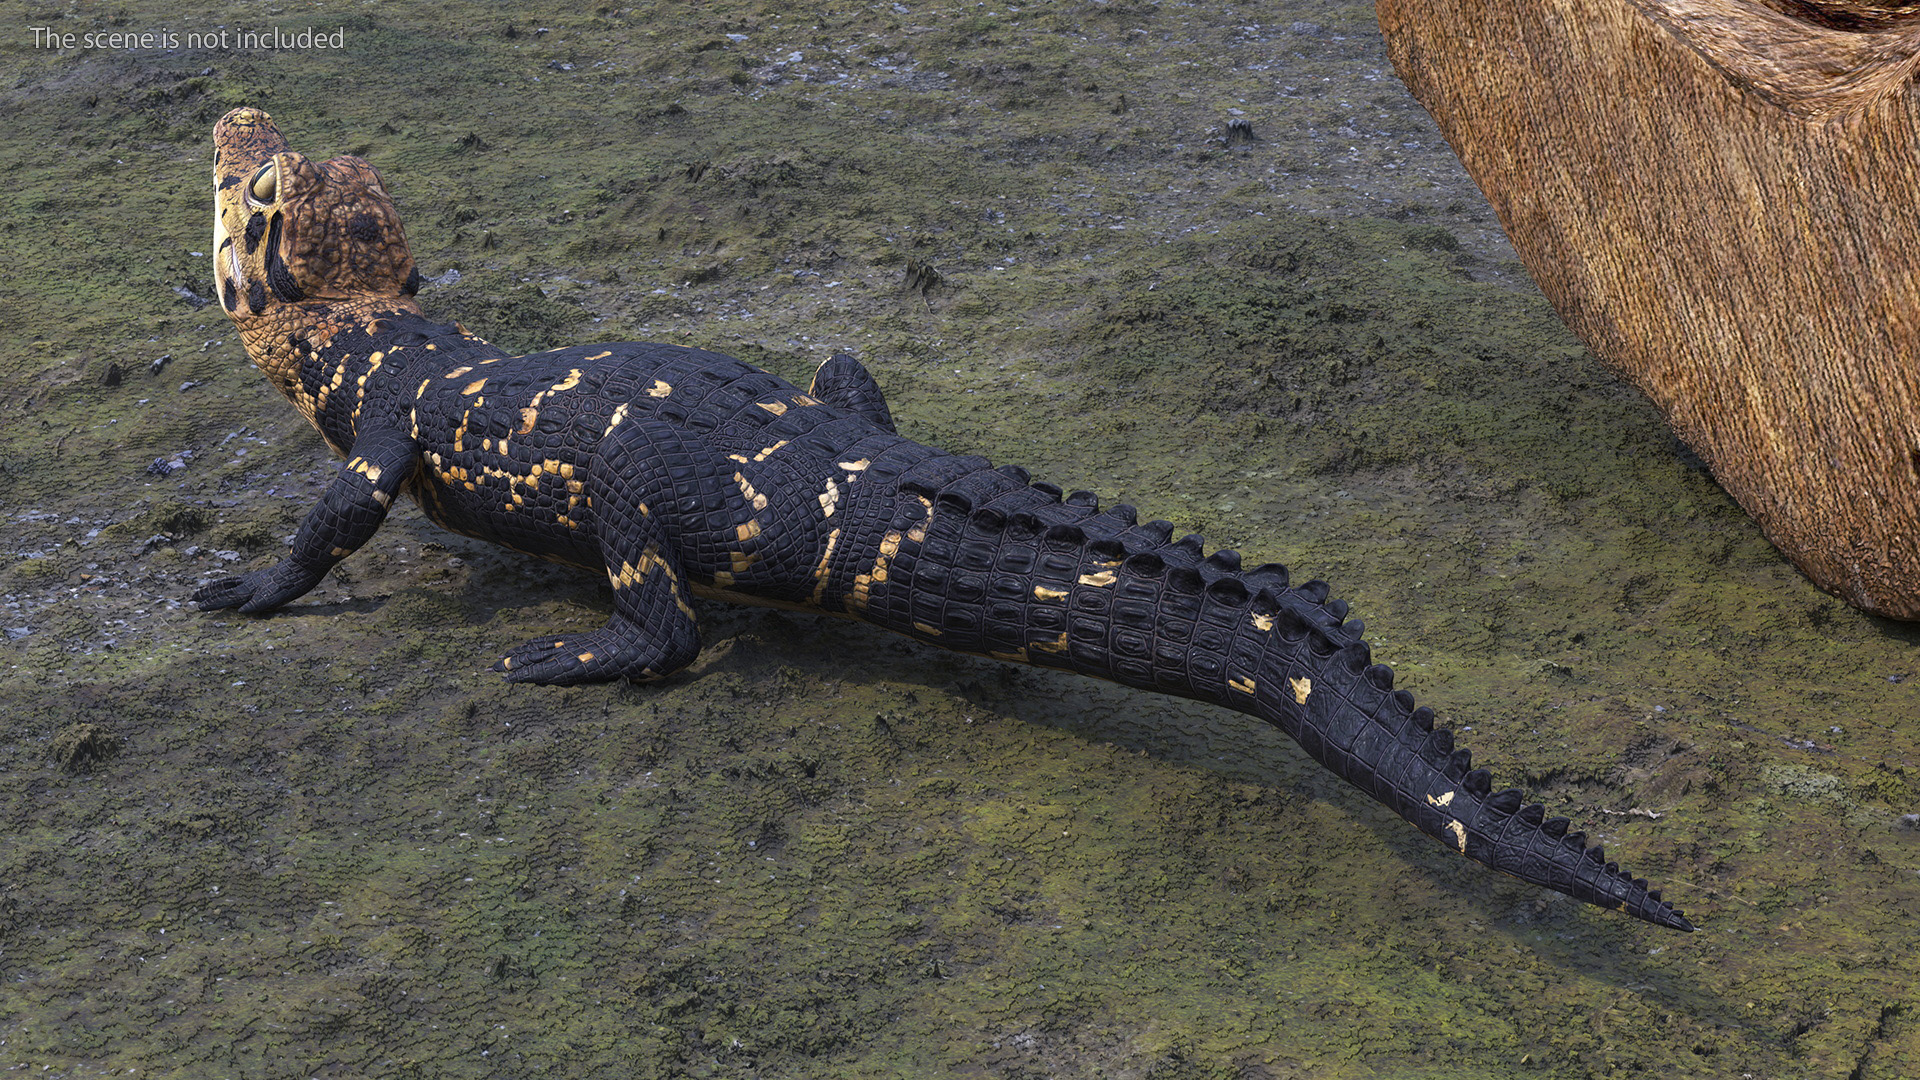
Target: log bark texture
1722 197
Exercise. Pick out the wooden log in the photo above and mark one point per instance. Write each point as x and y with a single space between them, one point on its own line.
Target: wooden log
1722 197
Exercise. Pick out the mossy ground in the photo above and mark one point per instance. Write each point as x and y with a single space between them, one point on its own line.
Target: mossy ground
331 843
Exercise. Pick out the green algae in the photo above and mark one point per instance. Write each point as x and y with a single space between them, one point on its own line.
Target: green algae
331 843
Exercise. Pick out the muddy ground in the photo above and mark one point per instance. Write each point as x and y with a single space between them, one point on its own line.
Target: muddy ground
330 843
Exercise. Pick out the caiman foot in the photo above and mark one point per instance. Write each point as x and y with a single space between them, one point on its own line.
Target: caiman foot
600 656
261 590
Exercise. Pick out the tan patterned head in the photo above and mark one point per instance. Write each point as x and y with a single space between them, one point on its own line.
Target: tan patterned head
300 247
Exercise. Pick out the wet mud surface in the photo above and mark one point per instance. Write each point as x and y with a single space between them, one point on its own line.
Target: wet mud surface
330 843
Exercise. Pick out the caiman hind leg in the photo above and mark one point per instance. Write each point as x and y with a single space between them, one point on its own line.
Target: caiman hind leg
642 467
845 383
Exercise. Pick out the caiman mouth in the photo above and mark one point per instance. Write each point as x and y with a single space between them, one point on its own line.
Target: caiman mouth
246 148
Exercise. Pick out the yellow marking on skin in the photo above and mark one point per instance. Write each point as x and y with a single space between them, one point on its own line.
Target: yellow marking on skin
1442 800
1058 645
619 414
1459 832
743 561
1018 657
576 486
659 389
744 533
1245 686
741 458
762 455
566 470
460 433
601 356
802 399
630 575
722 579
1262 622
773 407
360 384
1041 592
889 546
820 572
418 394
339 376
863 583
527 416
855 466
930 631
474 386
754 498
382 497
456 373
586 657
562 519
919 532
1103 578
1301 688
829 498
341 553
572 380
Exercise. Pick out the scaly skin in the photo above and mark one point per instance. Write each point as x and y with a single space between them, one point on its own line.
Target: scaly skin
682 473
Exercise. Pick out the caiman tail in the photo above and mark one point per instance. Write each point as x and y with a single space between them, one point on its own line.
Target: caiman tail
985 562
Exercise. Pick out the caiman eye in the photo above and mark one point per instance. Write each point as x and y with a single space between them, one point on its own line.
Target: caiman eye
264 184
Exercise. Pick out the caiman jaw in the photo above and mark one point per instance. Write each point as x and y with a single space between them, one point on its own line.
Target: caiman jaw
243 141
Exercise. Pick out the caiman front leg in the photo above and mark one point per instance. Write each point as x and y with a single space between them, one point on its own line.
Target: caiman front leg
653 633
347 517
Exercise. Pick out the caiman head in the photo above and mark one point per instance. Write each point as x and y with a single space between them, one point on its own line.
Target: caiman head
301 249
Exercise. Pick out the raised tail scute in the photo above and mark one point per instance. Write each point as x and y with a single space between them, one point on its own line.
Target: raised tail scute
1318 683
1514 838
1014 570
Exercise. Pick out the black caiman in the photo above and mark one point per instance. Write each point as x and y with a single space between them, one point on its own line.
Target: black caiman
681 473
